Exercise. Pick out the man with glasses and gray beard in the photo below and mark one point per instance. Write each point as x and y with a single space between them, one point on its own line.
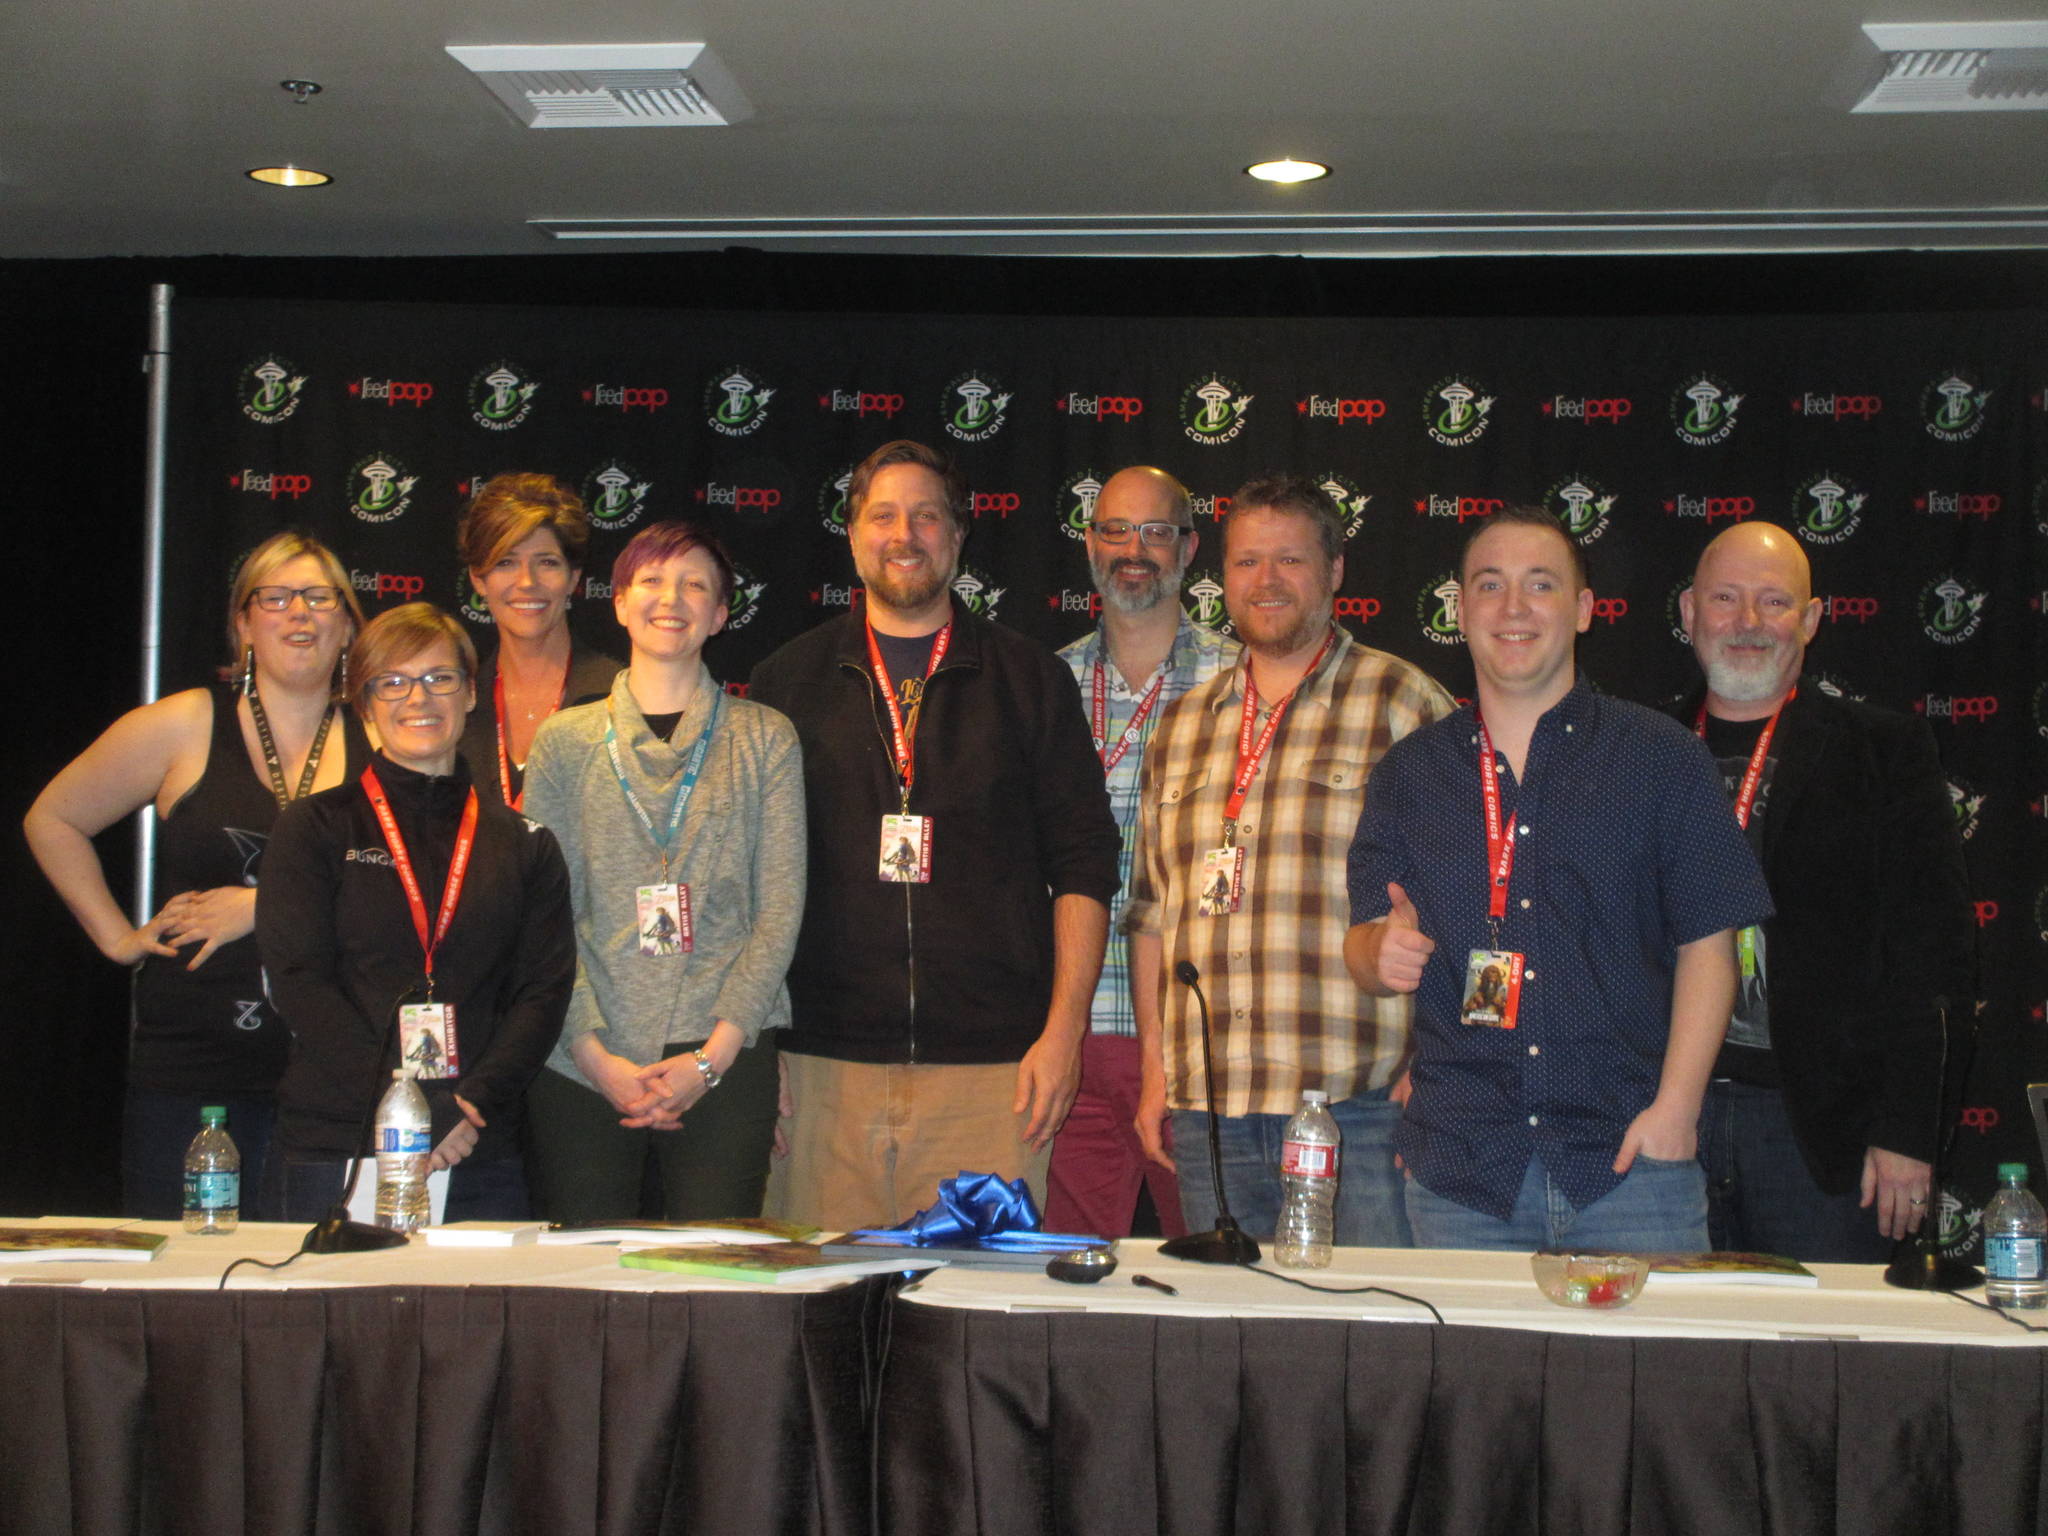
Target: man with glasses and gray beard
1146 653
1821 1117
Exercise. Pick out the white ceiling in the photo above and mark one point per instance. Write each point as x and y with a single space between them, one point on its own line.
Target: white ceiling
1069 126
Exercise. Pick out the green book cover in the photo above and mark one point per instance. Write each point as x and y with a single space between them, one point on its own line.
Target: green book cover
768 1263
22 1245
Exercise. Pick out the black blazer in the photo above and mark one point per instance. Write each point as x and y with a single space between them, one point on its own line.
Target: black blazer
1874 929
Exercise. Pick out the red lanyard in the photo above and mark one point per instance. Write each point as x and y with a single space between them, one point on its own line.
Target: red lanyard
1500 836
1249 753
904 739
1753 776
458 866
505 757
1135 729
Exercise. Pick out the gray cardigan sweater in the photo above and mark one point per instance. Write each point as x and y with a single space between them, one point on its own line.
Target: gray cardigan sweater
740 850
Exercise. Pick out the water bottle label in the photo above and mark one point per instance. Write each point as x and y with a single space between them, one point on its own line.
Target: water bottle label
403 1140
213 1191
1307 1160
2013 1258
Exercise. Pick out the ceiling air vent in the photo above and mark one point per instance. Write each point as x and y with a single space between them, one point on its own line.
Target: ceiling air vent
1962 66
609 85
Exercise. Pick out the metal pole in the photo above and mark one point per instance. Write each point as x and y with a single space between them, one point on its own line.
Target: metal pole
156 363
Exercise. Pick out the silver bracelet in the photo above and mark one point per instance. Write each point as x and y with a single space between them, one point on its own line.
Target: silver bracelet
712 1076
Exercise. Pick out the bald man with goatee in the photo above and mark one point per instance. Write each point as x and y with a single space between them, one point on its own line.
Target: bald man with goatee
1822 1114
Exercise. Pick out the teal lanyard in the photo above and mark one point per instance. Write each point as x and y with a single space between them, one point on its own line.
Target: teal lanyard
664 840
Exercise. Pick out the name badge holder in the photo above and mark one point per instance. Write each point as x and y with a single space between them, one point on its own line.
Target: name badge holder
1492 996
904 852
1747 939
426 1031
1219 881
664 925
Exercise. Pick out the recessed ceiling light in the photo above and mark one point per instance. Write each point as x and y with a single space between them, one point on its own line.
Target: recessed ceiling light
288 176
1287 171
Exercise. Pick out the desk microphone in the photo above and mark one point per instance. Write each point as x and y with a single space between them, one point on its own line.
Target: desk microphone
1227 1243
335 1232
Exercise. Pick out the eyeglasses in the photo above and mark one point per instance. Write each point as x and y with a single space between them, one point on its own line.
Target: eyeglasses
277 599
396 687
1158 535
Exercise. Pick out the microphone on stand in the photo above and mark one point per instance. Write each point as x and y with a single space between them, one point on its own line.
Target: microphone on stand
335 1232
1919 1264
1226 1243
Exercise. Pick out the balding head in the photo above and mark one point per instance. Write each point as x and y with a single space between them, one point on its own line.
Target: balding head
1751 612
1134 573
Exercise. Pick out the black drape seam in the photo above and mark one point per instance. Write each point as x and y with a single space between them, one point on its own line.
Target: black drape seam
1052 1429
1756 1438
1542 1504
1635 1393
416 1298
973 1469
1414 1491
1159 1501
1950 1458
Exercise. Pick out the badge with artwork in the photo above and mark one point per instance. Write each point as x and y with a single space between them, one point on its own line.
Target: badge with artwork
906 857
664 912
1220 884
1493 988
426 1039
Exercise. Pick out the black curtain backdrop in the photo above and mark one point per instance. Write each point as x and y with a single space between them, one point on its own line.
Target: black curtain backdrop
1888 409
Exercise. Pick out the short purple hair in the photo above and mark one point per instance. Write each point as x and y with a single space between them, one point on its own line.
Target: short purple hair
659 543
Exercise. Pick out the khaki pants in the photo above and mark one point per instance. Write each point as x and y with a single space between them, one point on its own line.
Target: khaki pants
869 1144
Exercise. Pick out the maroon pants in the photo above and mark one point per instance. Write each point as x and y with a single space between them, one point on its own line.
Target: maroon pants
1097 1163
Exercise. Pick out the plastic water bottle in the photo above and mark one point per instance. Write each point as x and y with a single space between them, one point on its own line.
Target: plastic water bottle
1308 1185
213 1176
405 1129
2015 1228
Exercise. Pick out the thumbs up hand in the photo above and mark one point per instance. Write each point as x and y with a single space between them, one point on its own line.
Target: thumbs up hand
1403 948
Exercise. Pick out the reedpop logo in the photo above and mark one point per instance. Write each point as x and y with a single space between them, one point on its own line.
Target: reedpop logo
394 586
1124 408
1340 408
412 392
1430 504
626 398
1838 407
278 483
1613 409
862 403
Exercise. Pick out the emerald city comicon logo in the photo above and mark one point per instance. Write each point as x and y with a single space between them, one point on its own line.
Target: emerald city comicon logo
1212 410
1436 610
974 405
832 510
975 591
615 495
1966 804
1827 508
1837 687
1457 412
270 390
1351 501
1674 619
736 402
1076 498
1582 504
1952 407
745 601
1205 592
1703 411
381 488
501 397
1951 611
2041 710
473 608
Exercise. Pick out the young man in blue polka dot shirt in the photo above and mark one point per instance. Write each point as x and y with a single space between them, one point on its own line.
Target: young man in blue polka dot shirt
1555 876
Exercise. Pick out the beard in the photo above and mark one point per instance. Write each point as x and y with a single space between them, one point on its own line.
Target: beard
1747 676
906 591
1158 586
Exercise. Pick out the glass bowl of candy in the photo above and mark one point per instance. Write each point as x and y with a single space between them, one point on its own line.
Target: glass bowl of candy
1602 1281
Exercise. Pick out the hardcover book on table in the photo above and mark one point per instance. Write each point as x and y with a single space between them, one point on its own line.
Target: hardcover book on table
766 1263
52 1245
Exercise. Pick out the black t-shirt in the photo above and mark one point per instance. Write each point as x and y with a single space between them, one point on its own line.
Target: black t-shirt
1746 1055
908 658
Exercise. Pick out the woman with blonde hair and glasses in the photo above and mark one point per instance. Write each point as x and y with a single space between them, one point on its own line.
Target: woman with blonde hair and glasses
218 764
406 918
522 540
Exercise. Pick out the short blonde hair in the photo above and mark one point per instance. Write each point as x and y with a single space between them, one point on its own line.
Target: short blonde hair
264 562
398 634
512 507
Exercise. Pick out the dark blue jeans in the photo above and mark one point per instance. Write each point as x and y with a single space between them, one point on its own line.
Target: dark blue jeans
156 1128
1761 1199
1659 1207
1369 1213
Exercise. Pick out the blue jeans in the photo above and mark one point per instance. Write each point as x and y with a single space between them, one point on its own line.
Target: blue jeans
1760 1197
1369 1213
1658 1207
306 1191
156 1128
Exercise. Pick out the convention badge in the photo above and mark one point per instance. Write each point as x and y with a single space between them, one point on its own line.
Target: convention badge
664 919
1745 951
1221 884
906 850
426 1039
1493 988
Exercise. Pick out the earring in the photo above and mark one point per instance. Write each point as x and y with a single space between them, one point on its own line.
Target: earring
340 686
248 671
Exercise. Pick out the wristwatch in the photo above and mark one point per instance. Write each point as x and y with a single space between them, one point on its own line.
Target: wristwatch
712 1076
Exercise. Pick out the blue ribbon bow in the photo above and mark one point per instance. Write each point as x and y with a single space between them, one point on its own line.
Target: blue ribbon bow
984 1211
